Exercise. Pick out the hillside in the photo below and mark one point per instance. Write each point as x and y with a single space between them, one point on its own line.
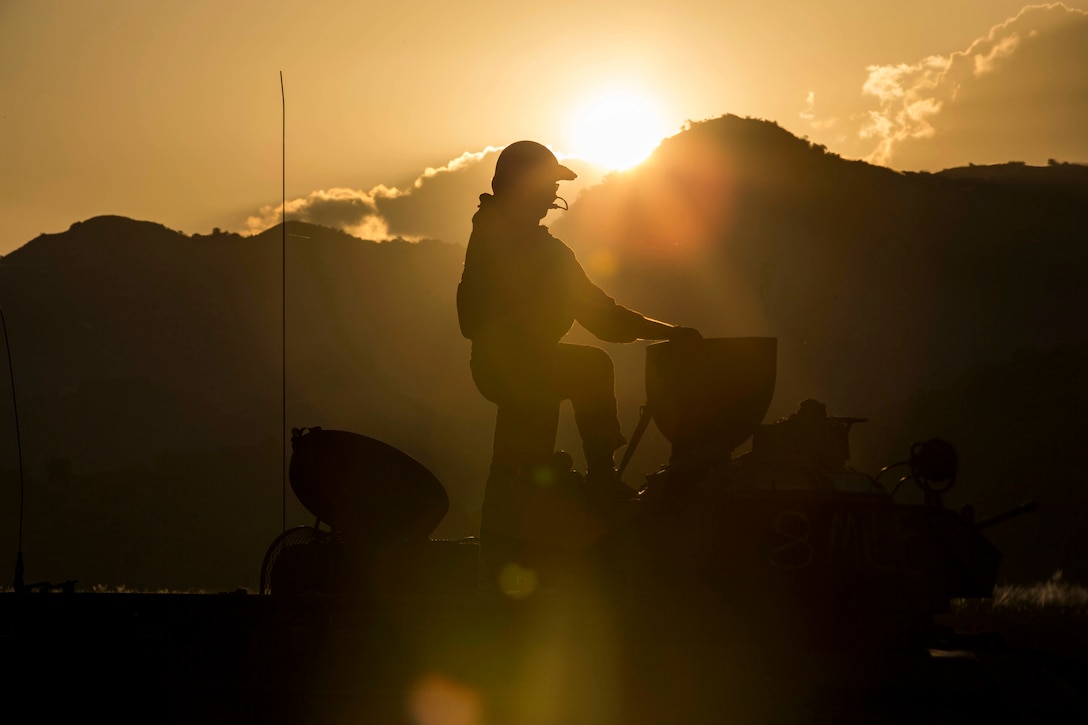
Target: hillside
148 366
148 362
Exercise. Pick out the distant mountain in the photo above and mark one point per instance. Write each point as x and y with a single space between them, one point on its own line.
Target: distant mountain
148 362
1061 178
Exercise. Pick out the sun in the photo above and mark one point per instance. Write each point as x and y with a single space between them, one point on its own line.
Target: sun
616 129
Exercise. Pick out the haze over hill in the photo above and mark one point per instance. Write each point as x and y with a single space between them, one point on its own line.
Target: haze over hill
148 362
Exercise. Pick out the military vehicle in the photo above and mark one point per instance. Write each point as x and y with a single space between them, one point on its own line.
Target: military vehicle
787 536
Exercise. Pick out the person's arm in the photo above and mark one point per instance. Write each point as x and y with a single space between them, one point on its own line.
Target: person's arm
674 333
611 322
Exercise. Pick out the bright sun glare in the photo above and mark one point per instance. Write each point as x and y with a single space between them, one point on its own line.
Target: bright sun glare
617 129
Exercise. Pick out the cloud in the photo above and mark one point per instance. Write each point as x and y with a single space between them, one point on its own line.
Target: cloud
465 161
808 114
354 211
440 202
427 208
996 91
438 205
1003 49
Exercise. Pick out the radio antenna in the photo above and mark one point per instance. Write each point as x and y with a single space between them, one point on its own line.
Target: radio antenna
283 297
18 584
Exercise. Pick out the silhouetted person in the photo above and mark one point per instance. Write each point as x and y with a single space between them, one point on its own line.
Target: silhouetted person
520 292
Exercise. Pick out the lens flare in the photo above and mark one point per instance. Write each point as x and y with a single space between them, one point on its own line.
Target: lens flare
517 582
437 700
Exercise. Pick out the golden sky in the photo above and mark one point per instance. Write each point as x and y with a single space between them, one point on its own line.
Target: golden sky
171 111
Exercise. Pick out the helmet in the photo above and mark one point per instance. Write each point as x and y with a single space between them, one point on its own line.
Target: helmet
526 159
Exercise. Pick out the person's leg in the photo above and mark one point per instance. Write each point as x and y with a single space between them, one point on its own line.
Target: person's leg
525 429
528 413
585 375
524 440
525 432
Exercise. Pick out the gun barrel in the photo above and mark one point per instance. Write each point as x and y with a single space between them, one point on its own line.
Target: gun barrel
1024 508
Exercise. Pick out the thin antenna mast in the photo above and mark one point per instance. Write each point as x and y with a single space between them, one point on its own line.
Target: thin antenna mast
283 296
18 583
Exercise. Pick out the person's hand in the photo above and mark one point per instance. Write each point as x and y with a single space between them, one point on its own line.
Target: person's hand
684 335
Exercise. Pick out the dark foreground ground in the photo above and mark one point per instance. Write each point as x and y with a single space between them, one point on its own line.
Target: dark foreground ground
245 658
